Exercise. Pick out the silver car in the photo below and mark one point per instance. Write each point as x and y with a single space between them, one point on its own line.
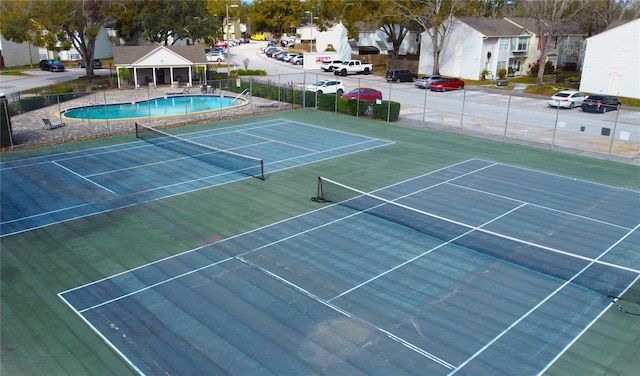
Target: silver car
567 99
425 82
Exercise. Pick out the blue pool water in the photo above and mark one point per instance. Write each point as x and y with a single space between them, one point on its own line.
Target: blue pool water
159 107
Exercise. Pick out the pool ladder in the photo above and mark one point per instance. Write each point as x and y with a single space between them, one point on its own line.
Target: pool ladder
243 92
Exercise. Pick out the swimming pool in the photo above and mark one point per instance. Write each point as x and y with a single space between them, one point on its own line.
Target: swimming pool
178 105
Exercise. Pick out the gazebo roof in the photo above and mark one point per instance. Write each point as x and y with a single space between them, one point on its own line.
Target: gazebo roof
134 55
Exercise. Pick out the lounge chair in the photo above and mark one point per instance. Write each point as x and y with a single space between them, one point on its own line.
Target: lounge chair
49 125
268 105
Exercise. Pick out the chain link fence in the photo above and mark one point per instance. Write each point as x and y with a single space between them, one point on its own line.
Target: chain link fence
505 116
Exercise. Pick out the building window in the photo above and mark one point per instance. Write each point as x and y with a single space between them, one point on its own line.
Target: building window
501 64
417 37
504 44
520 44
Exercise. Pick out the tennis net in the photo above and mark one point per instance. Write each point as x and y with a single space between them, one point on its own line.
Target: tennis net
222 158
609 279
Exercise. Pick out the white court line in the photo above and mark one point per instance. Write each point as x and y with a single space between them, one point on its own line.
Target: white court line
278 142
535 308
83 177
313 229
143 144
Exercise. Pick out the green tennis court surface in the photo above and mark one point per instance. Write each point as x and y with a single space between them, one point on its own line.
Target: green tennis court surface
43 191
221 264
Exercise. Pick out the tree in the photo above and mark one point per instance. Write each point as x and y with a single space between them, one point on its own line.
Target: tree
436 19
551 18
164 20
58 25
278 16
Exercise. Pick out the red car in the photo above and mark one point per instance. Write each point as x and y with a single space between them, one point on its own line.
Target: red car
444 84
364 93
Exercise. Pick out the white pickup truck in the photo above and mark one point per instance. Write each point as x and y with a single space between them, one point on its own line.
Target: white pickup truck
352 67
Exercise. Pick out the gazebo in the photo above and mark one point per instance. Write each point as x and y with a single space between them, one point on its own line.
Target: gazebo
158 64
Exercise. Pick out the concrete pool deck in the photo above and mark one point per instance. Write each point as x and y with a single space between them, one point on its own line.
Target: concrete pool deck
28 130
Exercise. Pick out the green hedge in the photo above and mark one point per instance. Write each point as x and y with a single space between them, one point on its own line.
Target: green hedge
326 102
5 124
392 109
353 106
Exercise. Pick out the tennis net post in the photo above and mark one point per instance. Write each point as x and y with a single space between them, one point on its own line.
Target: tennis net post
222 158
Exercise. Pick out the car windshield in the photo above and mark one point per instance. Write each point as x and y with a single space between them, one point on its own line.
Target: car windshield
562 95
319 83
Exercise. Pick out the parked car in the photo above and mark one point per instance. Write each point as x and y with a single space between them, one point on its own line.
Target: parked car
223 44
567 99
327 87
51 65
297 60
445 84
97 64
400 75
363 93
269 51
426 81
216 56
259 37
281 55
271 43
289 56
287 41
330 65
600 103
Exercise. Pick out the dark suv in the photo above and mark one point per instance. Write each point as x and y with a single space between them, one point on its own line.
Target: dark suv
400 75
600 103
51 65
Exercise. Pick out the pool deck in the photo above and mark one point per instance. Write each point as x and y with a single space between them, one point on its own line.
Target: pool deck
29 131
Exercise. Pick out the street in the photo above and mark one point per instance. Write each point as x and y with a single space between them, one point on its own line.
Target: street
497 114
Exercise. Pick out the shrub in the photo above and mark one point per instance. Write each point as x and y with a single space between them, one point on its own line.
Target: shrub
380 111
502 73
352 106
248 72
327 102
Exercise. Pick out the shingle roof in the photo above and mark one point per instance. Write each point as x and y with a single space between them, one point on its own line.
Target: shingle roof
493 27
126 55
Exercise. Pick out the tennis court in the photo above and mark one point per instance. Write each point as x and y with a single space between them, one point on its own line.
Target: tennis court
475 268
42 191
397 266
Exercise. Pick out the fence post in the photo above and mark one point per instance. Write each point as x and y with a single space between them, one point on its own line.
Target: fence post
106 111
555 126
506 122
613 133
424 106
60 112
464 99
389 103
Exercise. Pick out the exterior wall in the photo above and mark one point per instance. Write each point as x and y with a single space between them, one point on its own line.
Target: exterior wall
409 44
335 36
463 54
611 62
18 54
104 48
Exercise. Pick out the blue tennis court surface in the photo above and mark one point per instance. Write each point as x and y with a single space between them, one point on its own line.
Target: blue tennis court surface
42 191
344 291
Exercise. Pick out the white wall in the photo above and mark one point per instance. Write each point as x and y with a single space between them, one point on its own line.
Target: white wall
18 54
408 45
104 48
462 55
612 61
337 37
